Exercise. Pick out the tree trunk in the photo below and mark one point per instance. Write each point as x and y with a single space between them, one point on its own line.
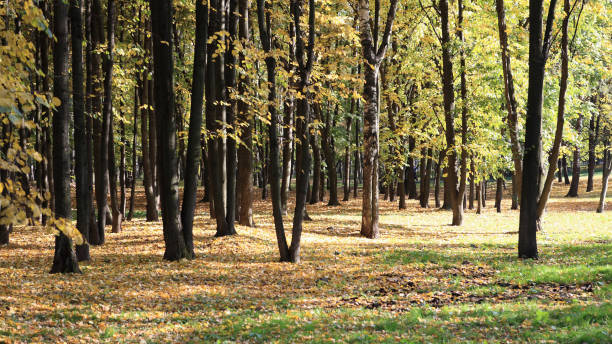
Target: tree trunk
80 135
107 120
456 184
161 17
607 168
509 97
438 172
565 172
593 136
479 197
130 214
411 185
499 193
245 155
230 84
472 183
287 150
216 113
330 159
347 155
532 157
192 160
316 173
356 161
64 260
573 190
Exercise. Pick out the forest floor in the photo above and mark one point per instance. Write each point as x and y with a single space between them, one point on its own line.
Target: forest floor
421 281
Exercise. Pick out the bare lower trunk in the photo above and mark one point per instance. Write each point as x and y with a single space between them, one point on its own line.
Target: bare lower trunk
499 193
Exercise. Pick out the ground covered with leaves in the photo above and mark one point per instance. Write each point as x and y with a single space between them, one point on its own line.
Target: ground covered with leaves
422 281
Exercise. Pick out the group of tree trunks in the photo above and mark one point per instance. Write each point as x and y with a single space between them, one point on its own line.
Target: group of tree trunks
228 170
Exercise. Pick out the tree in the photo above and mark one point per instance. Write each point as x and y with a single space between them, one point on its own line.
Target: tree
510 99
456 183
245 157
373 54
216 115
163 68
83 193
538 54
64 259
607 170
192 161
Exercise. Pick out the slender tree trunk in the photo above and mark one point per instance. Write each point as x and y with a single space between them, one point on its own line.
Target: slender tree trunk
346 175
192 160
456 183
130 214
565 172
509 97
532 158
161 17
479 197
245 150
499 193
411 185
330 157
607 169
107 120
80 135
216 113
316 173
356 161
287 141
231 109
593 136
573 190
122 170
438 172
64 260
472 183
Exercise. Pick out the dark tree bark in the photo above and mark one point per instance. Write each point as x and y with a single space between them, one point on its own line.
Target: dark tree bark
532 159
216 113
192 161
245 150
472 183
289 104
499 193
107 119
130 214
151 207
230 84
64 259
559 171
161 17
357 163
330 158
374 54
89 106
479 187
122 171
425 182
316 172
456 182
80 135
573 190
593 138
607 170
510 99
554 152
100 135
346 174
